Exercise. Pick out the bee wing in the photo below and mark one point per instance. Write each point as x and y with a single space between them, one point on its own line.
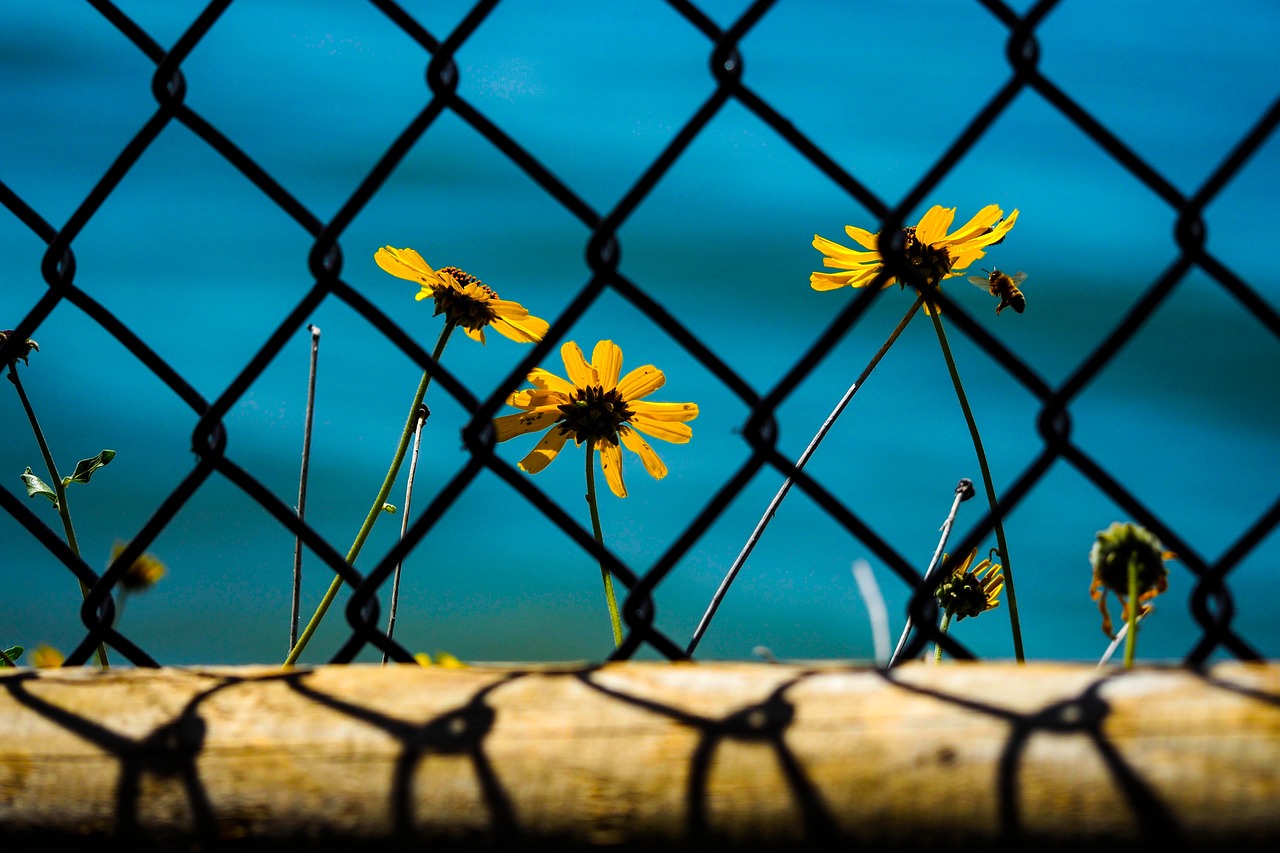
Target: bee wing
1018 277
980 281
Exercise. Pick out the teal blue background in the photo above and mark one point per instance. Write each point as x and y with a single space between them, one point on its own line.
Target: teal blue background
203 267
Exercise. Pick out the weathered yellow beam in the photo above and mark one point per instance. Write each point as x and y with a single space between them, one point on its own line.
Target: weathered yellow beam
645 754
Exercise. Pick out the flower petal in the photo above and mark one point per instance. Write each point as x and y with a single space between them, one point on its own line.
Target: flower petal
863 237
641 382
934 224
998 233
676 433
977 226
842 256
641 448
611 465
541 455
407 264
575 365
536 398
549 381
523 423
667 412
606 358
529 330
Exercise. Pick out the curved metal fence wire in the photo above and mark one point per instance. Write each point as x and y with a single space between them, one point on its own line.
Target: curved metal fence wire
1211 597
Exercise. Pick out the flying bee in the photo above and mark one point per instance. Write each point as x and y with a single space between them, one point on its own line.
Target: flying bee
1004 286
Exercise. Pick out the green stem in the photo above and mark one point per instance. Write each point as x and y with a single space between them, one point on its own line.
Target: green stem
376 509
1131 641
937 647
986 478
60 488
609 597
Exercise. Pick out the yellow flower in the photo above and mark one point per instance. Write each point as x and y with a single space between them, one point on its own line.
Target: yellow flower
969 593
443 659
938 254
142 574
463 298
595 407
46 657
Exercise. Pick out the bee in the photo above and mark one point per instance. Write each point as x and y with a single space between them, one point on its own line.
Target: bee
1005 286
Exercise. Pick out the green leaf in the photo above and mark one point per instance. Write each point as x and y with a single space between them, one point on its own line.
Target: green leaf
86 467
36 486
390 509
12 653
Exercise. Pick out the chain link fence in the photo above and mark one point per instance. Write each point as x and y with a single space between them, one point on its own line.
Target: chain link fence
1211 596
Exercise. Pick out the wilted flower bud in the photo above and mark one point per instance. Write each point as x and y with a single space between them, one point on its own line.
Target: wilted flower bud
1110 556
24 350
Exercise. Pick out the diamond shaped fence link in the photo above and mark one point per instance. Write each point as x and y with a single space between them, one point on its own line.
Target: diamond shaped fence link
1211 598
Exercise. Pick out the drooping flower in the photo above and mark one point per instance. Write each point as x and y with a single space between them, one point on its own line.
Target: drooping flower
594 406
462 298
1110 556
969 593
929 247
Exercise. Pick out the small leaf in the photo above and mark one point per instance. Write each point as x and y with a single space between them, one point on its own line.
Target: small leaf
389 508
11 656
36 486
86 467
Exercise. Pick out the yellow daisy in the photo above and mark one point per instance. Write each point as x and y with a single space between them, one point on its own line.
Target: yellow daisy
142 574
594 406
928 245
463 298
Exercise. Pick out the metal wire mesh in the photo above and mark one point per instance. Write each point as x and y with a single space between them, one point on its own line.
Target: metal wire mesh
1211 598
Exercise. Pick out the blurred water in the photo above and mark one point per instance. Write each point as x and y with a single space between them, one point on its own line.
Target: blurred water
203 268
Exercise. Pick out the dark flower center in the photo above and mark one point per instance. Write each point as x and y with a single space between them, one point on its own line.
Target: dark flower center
470 311
593 414
966 595
933 263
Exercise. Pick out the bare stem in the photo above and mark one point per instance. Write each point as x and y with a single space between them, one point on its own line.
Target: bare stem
423 414
302 483
963 491
786 485
378 502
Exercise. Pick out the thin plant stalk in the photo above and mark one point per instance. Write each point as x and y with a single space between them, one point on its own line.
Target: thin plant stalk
609 597
937 647
964 491
1131 641
986 479
378 502
1115 643
302 483
787 483
877 612
64 511
423 414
